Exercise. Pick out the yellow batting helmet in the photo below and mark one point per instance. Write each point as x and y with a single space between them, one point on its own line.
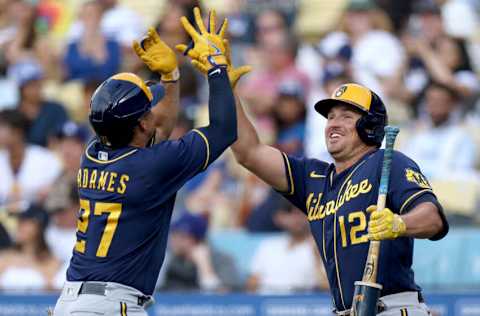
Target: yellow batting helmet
370 126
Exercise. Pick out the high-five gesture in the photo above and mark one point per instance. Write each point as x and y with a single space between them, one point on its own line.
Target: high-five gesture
210 44
209 49
157 56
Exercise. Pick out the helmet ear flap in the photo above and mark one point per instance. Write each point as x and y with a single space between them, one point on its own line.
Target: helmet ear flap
370 129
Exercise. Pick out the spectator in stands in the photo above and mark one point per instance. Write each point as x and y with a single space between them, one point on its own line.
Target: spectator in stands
168 26
62 206
278 60
194 265
71 141
260 216
270 24
431 53
62 199
426 21
447 62
23 39
113 23
439 143
92 56
369 32
241 33
26 170
112 26
29 264
45 117
293 252
289 114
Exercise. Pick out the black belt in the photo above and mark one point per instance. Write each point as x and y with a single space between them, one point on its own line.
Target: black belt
100 289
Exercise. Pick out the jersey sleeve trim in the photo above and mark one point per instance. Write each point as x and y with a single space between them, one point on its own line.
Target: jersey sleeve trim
289 174
108 161
407 201
205 139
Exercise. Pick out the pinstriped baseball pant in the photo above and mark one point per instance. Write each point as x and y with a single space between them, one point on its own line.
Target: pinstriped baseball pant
117 299
403 304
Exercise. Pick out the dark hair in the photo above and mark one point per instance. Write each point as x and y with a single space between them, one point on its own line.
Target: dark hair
15 120
465 63
281 124
283 16
435 84
42 251
464 56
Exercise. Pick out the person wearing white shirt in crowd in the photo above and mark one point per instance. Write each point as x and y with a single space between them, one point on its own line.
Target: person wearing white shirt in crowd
26 170
113 23
287 263
439 143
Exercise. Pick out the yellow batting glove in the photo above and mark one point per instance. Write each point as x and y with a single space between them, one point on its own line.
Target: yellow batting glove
384 224
234 74
208 50
158 56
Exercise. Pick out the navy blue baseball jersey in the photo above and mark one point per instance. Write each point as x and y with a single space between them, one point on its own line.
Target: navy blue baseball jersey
126 201
335 205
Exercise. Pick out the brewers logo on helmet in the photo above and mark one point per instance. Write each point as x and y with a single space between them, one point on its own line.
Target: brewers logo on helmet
374 115
118 104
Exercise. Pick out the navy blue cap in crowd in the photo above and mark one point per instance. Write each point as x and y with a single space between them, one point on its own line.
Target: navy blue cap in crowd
192 224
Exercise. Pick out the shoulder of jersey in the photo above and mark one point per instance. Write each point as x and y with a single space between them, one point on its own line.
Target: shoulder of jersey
317 169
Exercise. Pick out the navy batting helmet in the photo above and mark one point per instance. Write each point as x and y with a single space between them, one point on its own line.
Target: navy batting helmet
370 126
118 104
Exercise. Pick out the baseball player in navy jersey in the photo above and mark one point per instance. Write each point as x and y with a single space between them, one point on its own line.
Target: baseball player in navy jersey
127 182
339 199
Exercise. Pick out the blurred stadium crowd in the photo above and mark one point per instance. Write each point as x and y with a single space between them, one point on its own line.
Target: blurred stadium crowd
421 56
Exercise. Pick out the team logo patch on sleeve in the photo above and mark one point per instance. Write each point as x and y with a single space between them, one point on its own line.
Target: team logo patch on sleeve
417 177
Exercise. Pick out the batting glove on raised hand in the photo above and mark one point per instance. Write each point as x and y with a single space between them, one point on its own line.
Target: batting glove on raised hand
384 224
208 47
234 74
158 56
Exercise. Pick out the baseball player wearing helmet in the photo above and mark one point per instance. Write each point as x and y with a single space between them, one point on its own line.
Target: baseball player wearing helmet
339 199
127 182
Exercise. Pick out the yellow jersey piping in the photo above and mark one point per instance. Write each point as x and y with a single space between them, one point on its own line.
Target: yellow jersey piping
107 161
208 147
412 196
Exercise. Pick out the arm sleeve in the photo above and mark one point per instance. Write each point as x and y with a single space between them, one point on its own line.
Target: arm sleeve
409 188
222 130
295 171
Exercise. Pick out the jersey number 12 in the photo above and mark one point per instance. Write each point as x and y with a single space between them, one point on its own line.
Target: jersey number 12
358 225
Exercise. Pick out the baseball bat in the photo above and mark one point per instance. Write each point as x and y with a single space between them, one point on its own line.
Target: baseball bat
367 291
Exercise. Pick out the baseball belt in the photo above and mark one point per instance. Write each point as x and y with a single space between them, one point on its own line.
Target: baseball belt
100 289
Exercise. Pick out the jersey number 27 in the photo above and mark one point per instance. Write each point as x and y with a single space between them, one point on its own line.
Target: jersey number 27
113 210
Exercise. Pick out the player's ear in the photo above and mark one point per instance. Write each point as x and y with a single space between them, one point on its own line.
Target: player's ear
145 122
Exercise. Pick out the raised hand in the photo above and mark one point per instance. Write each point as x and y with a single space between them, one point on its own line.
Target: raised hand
157 56
208 46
